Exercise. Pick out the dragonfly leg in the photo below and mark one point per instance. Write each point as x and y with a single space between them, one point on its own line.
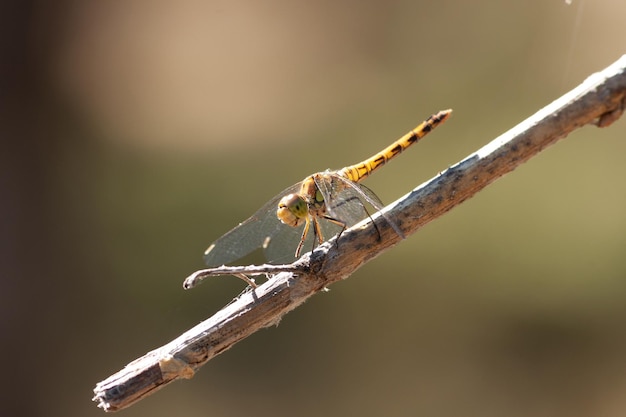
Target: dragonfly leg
305 232
338 222
317 233
376 227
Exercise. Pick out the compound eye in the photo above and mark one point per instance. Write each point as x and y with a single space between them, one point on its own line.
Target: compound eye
292 210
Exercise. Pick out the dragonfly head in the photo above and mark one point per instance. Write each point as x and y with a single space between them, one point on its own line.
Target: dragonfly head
292 210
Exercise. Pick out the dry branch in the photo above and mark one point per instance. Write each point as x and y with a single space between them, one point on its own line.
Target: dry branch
599 100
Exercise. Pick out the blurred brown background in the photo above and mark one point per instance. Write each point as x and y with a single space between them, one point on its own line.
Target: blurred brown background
134 133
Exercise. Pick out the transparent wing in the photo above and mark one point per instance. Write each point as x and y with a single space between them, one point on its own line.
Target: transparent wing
345 199
262 229
282 247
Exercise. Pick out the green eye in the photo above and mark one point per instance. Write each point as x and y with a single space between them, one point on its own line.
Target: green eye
292 210
299 207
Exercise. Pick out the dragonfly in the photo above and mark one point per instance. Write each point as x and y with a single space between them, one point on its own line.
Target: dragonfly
323 204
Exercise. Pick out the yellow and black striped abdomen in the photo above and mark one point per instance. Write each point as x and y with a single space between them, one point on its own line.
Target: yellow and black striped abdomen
361 170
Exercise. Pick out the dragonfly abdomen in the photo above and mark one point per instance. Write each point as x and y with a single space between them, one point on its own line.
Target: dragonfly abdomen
361 170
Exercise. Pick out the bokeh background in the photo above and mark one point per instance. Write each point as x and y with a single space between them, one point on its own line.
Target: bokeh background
137 132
